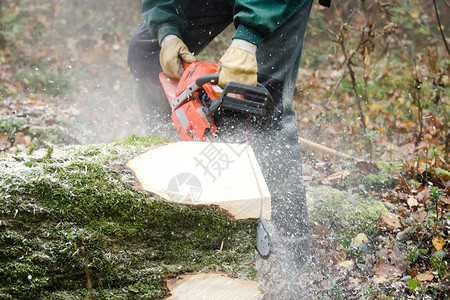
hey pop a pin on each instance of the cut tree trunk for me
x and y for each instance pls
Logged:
(197, 173)
(216, 286)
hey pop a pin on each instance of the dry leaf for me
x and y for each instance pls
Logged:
(4, 143)
(23, 139)
(397, 258)
(389, 222)
(379, 279)
(438, 242)
(361, 238)
(346, 264)
(339, 257)
(387, 270)
(391, 263)
(412, 202)
(402, 184)
(425, 277)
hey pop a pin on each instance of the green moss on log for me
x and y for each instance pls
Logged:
(55, 203)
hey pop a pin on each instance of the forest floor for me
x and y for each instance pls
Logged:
(83, 94)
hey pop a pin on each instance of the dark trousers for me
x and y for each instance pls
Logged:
(276, 147)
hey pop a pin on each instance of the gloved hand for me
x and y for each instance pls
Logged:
(239, 64)
(173, 50)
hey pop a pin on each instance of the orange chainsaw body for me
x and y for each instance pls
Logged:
(189, 119)
(196, 99)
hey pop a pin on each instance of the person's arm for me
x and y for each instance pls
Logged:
(256, 20)
(165, 17)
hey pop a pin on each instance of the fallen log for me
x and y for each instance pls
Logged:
(76, 210)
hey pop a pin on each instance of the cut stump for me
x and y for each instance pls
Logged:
(202, 173)
(213, 286)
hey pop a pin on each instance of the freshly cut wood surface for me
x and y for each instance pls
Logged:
(200, 173)
(212, 286)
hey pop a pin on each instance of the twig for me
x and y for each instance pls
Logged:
(440, 27)
(86, 270)
(447, 141)
(355, 90)
(324, 149)
(416, 97)
(348, 63)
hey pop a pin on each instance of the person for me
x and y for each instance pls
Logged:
(266, 48)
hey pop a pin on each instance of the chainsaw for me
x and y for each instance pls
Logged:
(196, 99)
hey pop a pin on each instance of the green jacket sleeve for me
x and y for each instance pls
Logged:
(256, 20)
(164, 17)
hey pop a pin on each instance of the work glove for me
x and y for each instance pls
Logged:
(173, 51)
(239, 64)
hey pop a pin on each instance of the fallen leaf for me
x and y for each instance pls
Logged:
(412, 202)
(438, 242)
(339, 257)
(361, 238)
(397, 258)
(4, 143)
(379, 279)
(425, 277)
(346, 264)
(389, 222)
(390, 264)
(402, 184)
(23, 139)
(387, 270)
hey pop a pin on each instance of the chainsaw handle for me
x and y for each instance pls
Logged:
(208, 78)
(199, 82)
(213, 78)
